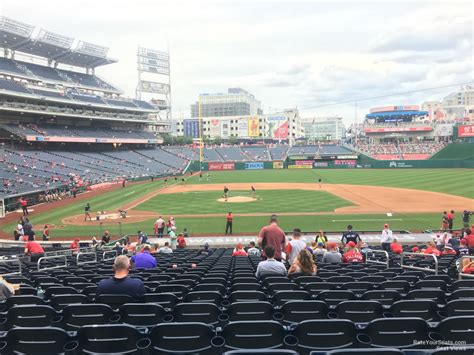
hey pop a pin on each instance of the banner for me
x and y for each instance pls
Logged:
(253, 127)
(345, 162)
(154, 87)
(277, 165)
(89, 140)
(225, 129)
(277, 127)
(394, 108)
(304, 162)
(191, 128)
(254, 166)
(221, 166)
(242, 128)
(298, 157)
(466, 131)
(214, 128)
(300, 166)
(397, 129)
(321, 164)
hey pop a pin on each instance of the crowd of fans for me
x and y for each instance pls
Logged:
(399, 150)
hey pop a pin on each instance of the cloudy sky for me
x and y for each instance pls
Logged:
(304, 54)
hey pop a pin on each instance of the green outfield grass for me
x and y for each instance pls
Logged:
(451, 181)
(267, 201)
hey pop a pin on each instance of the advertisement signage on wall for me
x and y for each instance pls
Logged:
(242, 128)
(398, 129)
(88, 140)
(225, 129)
(214, 128)
(253, 127)
(466, 131)
(321, 164)
(277, 127)
(254, 166)
(300, 166)
(298, 157)
(221, 166)
(304, 162)
(191, 128)
(277, 165)
(345, 162)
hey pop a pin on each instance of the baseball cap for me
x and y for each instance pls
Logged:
(351, 244)
(239, 246)
(331, 245)
(385, 225)
(415, 249)
(448, 246)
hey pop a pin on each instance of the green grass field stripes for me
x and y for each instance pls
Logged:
(267, 201)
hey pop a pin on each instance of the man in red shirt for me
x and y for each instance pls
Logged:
(24, 206)
(396, 247)
(352, 255)
(274, 236)
(239, 251)
(34, 250)
(228, 226)
(75, 245)
(181, 241)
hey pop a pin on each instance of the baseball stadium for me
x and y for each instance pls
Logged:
(125, 230)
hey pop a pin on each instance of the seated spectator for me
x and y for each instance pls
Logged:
(454, 241)
(293, 247)
(352, 254)
(415, 250)
(34, 250)
(463, 249)
(181, 241)
(205, 250)
(448, 250)
(333, 256)
(239, 251)
(121, 283)
(253, 250)
(144, 260)
(118, 248)
(468, 266)
(431, 249)
(320, 250)
(303, 264)
(75, 245)
(165, 249)
(7, 289)
(396, 247)
(364, 248)
(105, 238)
(270, 266)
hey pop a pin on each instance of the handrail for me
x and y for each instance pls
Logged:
(9, 261)
(86, 261)
(104, 258)
(67, 252)
(461, 274)
(52, 257)
(384, 252)
(435, 270)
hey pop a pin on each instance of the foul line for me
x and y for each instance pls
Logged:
(366, 220)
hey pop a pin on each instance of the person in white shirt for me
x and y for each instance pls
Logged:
(253, 250)
(271, 266)
(294, 247)
(387, 238)
(165, 249)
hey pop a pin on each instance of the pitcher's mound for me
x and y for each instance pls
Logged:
(237, 199)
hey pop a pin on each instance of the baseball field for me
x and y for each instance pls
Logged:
(408, 199)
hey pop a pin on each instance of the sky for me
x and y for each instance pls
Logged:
(313, 55)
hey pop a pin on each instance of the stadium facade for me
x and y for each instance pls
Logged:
(323, 129)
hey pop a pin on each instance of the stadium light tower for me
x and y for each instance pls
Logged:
(201, 143)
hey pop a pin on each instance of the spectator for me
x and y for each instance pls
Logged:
(253, 250)
(165, 249)
(173, 238)
(352, 254)
(159, 227)
(321, 238)
(28, 228)
(239, 251)
(293, 247)
(228, 226)
(465, 218)
(396, 247)
(205, 250)
(333, 256)
(431, 249)
(448, 250)
(386, 238)
(444, 221)
(24, 206)
(106, 238)
(75, 245)
(19, 228)
(181, 241)
(450, 221)
(415, 250)
(468, 266)
(118, 248)
(144, 260)
(185, 233)
(463, 249)
(34, 250)
(142, 238)
(121, 283)
(94, 241)
(364, 248)
(6, 289)
(319, 251)
(272, 235)
(350, 236)
(45, 233)
(270, 266)
(303, 264)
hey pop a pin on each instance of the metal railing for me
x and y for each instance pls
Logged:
(64, 257)
(12, 261)
(461, 274)
(78, 256)
(109, 252)
(426, 269)
(367, 260)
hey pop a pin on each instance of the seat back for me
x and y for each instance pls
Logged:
(253, 335)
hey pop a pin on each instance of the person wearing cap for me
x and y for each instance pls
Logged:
(350, 236)
(431, 249)
(142, 238)
(205, 250)
(396, 247)
(333, 256)
(352, 254)
(386, 238)
(448, 250)
(228, 226)
(144, 260)
(272, 235)
(75, 245)
(463, 249)
(294, 246)
(239, 250)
